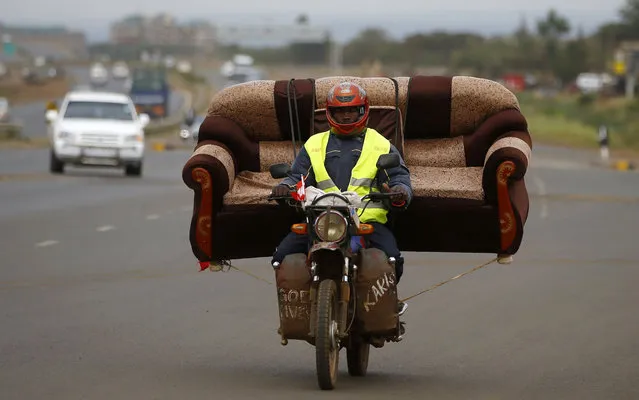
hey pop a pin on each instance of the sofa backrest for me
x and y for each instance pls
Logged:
(443, 121)
(453, 121)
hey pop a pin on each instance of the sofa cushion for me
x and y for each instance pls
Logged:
(250, 188)
(428, 182)
(447, 153)
(450, 183)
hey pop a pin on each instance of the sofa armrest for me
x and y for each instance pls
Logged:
(209, 172)
(505, 165)
(508, 148)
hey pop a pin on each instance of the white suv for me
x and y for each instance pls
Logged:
(99, 129)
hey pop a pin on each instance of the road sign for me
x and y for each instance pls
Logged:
(8, 47)
(619, 67)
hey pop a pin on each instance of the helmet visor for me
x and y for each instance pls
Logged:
(347, 115)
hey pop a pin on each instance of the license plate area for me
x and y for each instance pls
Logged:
(99, 152)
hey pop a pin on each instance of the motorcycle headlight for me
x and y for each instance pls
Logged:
(330, 226)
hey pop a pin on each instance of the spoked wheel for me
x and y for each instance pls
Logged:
(357, 357)
(326, 340)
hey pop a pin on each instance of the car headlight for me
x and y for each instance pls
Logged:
(185, 134)
(65, 135)
(330, 226)
(134, 138)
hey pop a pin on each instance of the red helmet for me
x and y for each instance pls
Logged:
(347, 94)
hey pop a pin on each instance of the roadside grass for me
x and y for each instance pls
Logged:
(574, 120)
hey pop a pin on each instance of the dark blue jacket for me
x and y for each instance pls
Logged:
(341, 156)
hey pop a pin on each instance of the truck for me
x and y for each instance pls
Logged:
(150, 91)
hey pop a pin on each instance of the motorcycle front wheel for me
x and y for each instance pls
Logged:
(326, 335)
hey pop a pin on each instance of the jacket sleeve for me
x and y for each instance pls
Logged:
(301, 166)
(397, 176)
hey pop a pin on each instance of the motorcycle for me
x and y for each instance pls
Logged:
(340, 294)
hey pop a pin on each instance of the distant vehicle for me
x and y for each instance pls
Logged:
(5, 111)
(184, 67)
(120, 70)
(97, 129)
(589, 82)
(41, 70)
(98, 75)
(240, 69)
(514, 82)
(244, 74)
(149, 89)
(192, 131)
(243, 60)
(169, 61)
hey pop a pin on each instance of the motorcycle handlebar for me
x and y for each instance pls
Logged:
(375, 196)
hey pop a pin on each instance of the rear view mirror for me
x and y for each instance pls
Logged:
(279, 171)
(387, 161)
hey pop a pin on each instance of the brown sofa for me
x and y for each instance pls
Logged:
(464, 140)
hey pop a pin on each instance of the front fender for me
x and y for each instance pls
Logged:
(329, 259)
(330, 246)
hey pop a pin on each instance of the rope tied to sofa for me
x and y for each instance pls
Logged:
(225, 266)
(470, 271)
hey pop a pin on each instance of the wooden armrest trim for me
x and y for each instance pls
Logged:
(507, 223)
(205, 210)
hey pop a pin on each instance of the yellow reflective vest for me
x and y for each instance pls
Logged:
(362, 174)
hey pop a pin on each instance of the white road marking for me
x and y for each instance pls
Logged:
(105, 228)
(543, 213)
(152, 216)
(47, 243)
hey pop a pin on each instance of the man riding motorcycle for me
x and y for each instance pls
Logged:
(336, 158)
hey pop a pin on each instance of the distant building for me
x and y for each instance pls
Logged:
(272, 35)
(56, 43)
(163, 30)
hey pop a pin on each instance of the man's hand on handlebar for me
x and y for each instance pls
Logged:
(281, 190)
(398, 194)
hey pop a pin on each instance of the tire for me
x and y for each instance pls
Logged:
(55, 165)
(326, 346)
(133, 169)
(357, 357)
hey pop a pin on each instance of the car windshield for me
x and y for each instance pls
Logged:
(99, 110)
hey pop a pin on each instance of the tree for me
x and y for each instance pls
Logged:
(629, 13)
(369, 45)
(302, 19)
(552, 29)
(574, 59)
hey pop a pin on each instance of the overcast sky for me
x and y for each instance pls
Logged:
(344, 18)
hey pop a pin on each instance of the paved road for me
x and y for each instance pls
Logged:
(32, 115)
(101, 299)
